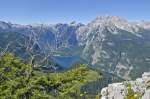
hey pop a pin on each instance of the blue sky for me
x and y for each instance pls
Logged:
(65, 11)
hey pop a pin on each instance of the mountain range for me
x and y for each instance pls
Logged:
(108, 43)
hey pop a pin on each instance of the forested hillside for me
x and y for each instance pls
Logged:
(23, 81)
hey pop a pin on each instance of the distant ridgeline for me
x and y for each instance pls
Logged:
(108, 43)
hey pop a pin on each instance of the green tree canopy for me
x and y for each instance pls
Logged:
(21, 81)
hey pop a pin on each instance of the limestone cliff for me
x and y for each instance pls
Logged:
(138, 89)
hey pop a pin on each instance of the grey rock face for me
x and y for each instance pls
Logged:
(115, 45)
(119, 90)
(113, 91)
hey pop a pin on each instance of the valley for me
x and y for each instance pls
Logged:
(75, 61)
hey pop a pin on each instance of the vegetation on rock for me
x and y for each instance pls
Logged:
(131, 94)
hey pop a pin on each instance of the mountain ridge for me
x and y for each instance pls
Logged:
(109, 43)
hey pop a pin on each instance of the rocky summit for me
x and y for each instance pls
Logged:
(138, 89)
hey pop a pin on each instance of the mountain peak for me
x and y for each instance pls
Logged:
(110, 18)
(114, 21)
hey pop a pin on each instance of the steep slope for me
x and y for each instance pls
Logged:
(116, 45)
(10, 41)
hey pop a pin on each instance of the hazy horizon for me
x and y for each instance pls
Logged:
(65, 11)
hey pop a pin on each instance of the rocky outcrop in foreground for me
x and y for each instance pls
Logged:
(138, 89)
